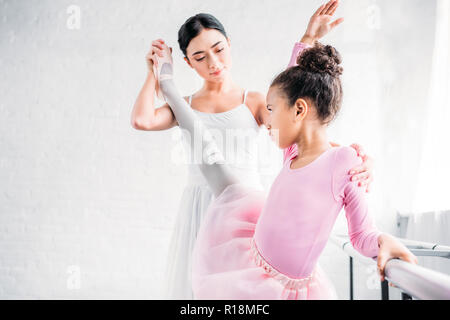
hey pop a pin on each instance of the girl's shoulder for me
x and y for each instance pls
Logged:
(345, 159)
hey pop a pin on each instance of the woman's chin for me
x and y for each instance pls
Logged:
(220, 77)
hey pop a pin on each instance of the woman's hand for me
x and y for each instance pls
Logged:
(391, 248)
(364, 172)
(157, 48)
(319, 24)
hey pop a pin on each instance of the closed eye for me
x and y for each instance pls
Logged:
(204, 57)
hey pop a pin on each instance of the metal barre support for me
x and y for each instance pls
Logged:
(351, 278)
(414, 280)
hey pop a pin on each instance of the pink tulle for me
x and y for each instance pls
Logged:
(226, 262)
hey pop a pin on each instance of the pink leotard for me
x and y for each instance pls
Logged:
(303, 204)
(302, 207)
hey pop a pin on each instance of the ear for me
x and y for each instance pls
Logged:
(301, 109)
(188, 62)
(229, 42)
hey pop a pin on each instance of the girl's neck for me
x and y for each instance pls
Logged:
(312, 142)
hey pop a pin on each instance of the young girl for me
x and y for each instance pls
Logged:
(221, 104)
(255, 247)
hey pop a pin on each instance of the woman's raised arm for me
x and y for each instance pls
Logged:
(144, 115)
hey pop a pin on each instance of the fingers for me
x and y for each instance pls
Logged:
(368, 183)
(157, 51)
(363, 178)
(327, 6)
(409, 257)
(332, 8)
(318, 11)
(360, 176)
(356, 146)
(149, 56)
(336, 22)
(334, 144)
(335, 6)
(359, 169)
(381, 263)
(158, 46)
(365, 182)
(392, 285)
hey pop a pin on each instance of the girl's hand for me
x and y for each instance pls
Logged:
(319, 24)
(391, 248)
(364, 172)
(157, 48)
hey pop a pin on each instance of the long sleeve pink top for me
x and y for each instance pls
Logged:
(302, 207)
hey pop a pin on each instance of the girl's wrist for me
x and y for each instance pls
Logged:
(308, 39)
(381, 239)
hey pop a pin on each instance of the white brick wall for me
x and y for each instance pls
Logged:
(80, 190)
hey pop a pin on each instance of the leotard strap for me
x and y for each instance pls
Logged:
(245, 96)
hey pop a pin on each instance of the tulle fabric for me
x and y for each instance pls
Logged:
(193, 207)
(226, 263)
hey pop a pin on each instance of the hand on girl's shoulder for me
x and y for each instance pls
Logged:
(346, 159)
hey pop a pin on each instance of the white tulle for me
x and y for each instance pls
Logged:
(197, 196)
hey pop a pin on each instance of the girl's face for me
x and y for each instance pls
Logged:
(209, 54)
(284, 122)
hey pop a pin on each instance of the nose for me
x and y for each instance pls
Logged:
(213, 63)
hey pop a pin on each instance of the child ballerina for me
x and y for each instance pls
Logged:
(255, 247)
(218, 93)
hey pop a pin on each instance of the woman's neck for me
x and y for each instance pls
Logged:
(224, 86)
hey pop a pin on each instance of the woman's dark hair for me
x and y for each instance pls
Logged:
(194, 25)
(317, 77)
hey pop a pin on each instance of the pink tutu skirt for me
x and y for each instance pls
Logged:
(227, 264)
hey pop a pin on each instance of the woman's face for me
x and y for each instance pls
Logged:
(209, 54)
(283, 122)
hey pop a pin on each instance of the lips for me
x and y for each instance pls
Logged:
(216, 73)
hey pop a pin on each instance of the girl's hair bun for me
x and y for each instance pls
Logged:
(321, 59)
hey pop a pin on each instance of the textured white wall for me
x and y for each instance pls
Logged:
(87, 203)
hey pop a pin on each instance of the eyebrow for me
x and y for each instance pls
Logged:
(204, 51)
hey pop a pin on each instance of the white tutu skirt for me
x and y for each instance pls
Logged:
(226, 263)
(192, 209)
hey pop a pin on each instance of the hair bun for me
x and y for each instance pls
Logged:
(321, 59)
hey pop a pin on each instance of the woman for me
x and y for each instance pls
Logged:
(221, 104)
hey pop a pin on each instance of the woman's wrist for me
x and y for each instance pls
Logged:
(150, 77)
